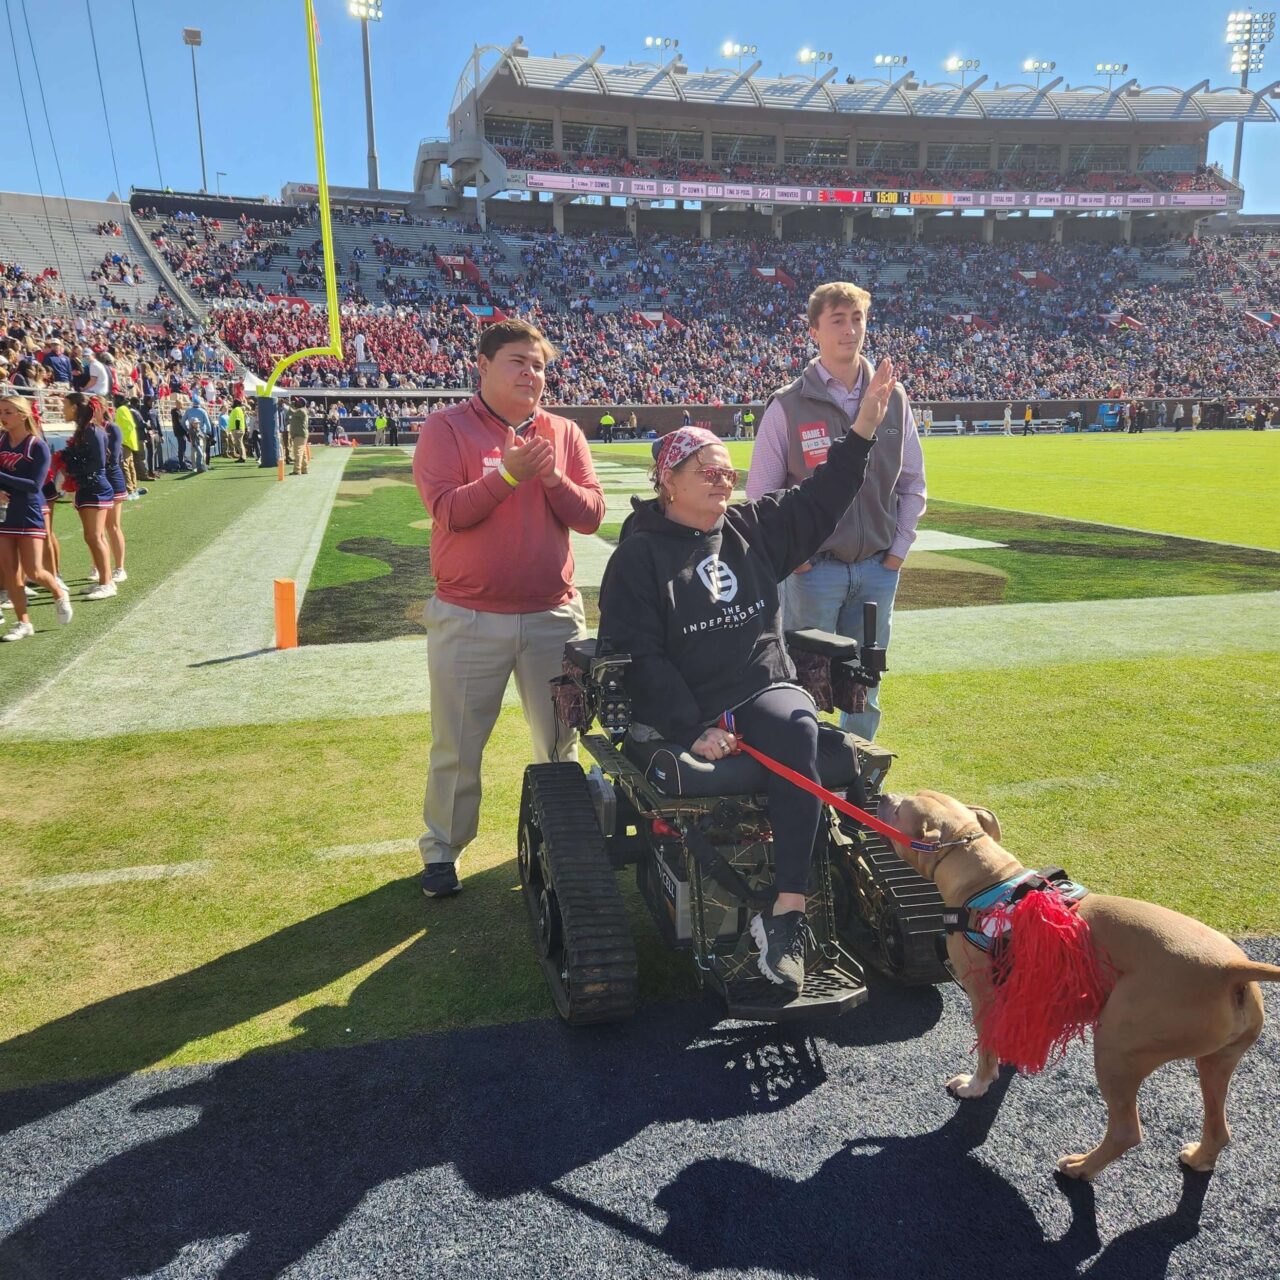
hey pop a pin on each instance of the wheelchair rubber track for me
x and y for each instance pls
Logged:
(912, 901)
(598, 947)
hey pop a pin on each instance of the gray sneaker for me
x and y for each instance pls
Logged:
(781, 943)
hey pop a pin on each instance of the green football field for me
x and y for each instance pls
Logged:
(217, 854)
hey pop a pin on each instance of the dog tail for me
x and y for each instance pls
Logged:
(1253, 971)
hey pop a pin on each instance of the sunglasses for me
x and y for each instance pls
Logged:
(712, 475)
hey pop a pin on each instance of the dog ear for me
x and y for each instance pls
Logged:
(986, 820)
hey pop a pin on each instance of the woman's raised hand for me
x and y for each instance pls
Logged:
(875, 400)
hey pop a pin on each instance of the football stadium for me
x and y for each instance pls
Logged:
(554, 705)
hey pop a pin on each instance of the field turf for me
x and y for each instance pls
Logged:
(1150, 777)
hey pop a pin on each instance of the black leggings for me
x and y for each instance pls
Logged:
(783, 724)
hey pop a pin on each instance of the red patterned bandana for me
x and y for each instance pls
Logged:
(679, 445)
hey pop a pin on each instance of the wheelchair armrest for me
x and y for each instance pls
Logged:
(580, 654)
(827, 643)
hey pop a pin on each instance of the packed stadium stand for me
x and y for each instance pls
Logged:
(665, 226)
(666, 320)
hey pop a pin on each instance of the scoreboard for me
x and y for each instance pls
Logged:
(867, 197)
(847, 195)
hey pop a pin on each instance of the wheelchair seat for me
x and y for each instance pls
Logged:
(672, 771)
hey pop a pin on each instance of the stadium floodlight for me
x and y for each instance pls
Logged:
(962, 65)
(194, 38)
(1111, 70)
(734, 49)
(1248, 34)
(661, 42)
(1038, 67)
(368, 11)
(811, 58)
(890, 59)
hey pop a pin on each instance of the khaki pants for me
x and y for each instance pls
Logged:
(301, 455)
(130, 474)
(237, 444)
(470, 658)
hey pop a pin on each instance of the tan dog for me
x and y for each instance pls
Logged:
(1182, 990)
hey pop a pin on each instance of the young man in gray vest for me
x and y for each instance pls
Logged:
(862, 559)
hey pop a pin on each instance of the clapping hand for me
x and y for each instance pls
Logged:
(875, 400)
(525, 459)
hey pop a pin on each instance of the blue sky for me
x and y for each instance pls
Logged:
(253, 75)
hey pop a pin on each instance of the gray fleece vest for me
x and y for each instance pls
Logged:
(814, 422)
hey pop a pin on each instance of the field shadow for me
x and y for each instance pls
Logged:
(382, 608)
(1047, 559)
(137, 1029)
(285, 1146)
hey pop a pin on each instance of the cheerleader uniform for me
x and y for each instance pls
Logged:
(93, 489)
(23, 470)
(115, 461)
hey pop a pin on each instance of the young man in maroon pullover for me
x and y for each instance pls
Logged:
(505, 482)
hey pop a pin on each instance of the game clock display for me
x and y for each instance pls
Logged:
(842, 195)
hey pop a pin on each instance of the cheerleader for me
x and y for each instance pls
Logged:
(119, 489)
(24, 467)
(86, 461)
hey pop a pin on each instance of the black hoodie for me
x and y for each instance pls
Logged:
(699, 612)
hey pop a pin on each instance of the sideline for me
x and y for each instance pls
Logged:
(144, 671)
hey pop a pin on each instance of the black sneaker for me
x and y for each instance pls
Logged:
(440, 880)
(781, 940)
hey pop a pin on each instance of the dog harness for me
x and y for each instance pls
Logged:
(979, 920)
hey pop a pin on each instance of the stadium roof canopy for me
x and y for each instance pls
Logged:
(635, 85)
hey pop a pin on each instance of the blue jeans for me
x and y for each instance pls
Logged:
(830, 597)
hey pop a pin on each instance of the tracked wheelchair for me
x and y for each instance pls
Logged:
(697, 833)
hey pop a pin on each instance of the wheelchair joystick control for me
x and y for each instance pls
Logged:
(872, 657)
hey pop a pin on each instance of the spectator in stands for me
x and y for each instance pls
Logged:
(58, 362)
(504, 482)
(97, 382)
(862, 559)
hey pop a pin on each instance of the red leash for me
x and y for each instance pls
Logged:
(829, 797)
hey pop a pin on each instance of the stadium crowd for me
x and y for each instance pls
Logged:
(959, 317)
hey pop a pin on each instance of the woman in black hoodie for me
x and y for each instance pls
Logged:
(692, 595)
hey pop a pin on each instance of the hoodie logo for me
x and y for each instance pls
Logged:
(719, 579)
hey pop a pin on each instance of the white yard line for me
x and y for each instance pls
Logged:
(378, 849)
(121, 875)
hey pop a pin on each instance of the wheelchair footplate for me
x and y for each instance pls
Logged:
(829, 989)
(727, 959)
